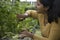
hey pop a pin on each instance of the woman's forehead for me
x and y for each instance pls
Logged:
(38, 0)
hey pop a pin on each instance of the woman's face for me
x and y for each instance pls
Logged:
(40, 7)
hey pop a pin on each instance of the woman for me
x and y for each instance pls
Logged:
(41, 15)
(53, 21)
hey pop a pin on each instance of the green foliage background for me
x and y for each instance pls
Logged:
(9, 24)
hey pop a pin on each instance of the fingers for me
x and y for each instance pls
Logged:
(24, 32)
(20, 17)
(22, 36)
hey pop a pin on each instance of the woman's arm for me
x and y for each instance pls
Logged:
(35, 37)
(28, 13)
(31, 13)
(44, 28)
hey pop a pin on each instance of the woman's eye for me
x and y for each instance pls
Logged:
(38, 4)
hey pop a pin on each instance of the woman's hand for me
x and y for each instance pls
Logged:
(22, 16)
(25, 33)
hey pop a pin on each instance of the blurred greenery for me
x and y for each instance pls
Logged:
(9, 24)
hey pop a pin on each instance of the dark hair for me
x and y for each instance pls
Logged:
(52, 14)
(44, 2)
